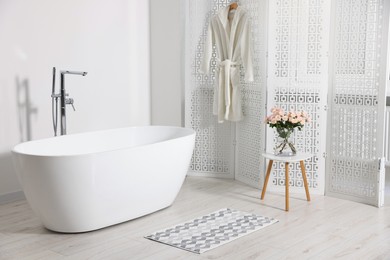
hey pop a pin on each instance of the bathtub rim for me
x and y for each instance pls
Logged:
(191, 132)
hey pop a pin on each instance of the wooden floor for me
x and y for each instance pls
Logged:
(325, 228)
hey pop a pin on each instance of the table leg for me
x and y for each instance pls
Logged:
(305, 180)
(266, 178)
(287, 186)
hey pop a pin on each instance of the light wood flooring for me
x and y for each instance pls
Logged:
(325, 228)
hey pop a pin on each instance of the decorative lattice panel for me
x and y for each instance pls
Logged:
(226, 149)
(251, 130)
(214, 151)
(353, 154)
(297, 80)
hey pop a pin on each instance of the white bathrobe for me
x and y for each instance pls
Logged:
(232, 38)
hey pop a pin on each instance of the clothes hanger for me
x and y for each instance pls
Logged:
(233, 6)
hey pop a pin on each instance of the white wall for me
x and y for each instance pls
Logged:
(166, 46)
(388, 64)
(108, 39)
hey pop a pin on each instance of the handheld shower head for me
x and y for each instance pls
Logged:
(53, 87)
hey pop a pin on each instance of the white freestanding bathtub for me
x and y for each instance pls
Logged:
(83, 182)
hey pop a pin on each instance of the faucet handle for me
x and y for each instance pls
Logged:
(70, 101)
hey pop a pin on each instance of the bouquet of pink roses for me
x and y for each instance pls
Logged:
(285, 122)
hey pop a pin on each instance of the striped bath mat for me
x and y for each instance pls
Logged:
(210, 231)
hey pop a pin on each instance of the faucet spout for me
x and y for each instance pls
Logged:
(82, 73)
(63, 100)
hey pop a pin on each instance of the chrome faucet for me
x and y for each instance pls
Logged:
(63, 100)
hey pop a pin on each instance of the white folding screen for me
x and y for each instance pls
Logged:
(291, 55)
(227, 149)
(298, 41)
(357, 100)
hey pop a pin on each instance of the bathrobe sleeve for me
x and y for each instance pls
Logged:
(208, 50)
(247, 51)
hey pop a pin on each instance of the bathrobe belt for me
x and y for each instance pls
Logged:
(227, 64)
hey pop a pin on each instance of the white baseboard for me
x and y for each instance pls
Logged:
(10, 197)
(211, 175)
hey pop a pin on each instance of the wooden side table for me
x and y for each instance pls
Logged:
(299, 157)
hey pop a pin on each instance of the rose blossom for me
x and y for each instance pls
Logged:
(292, 114)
